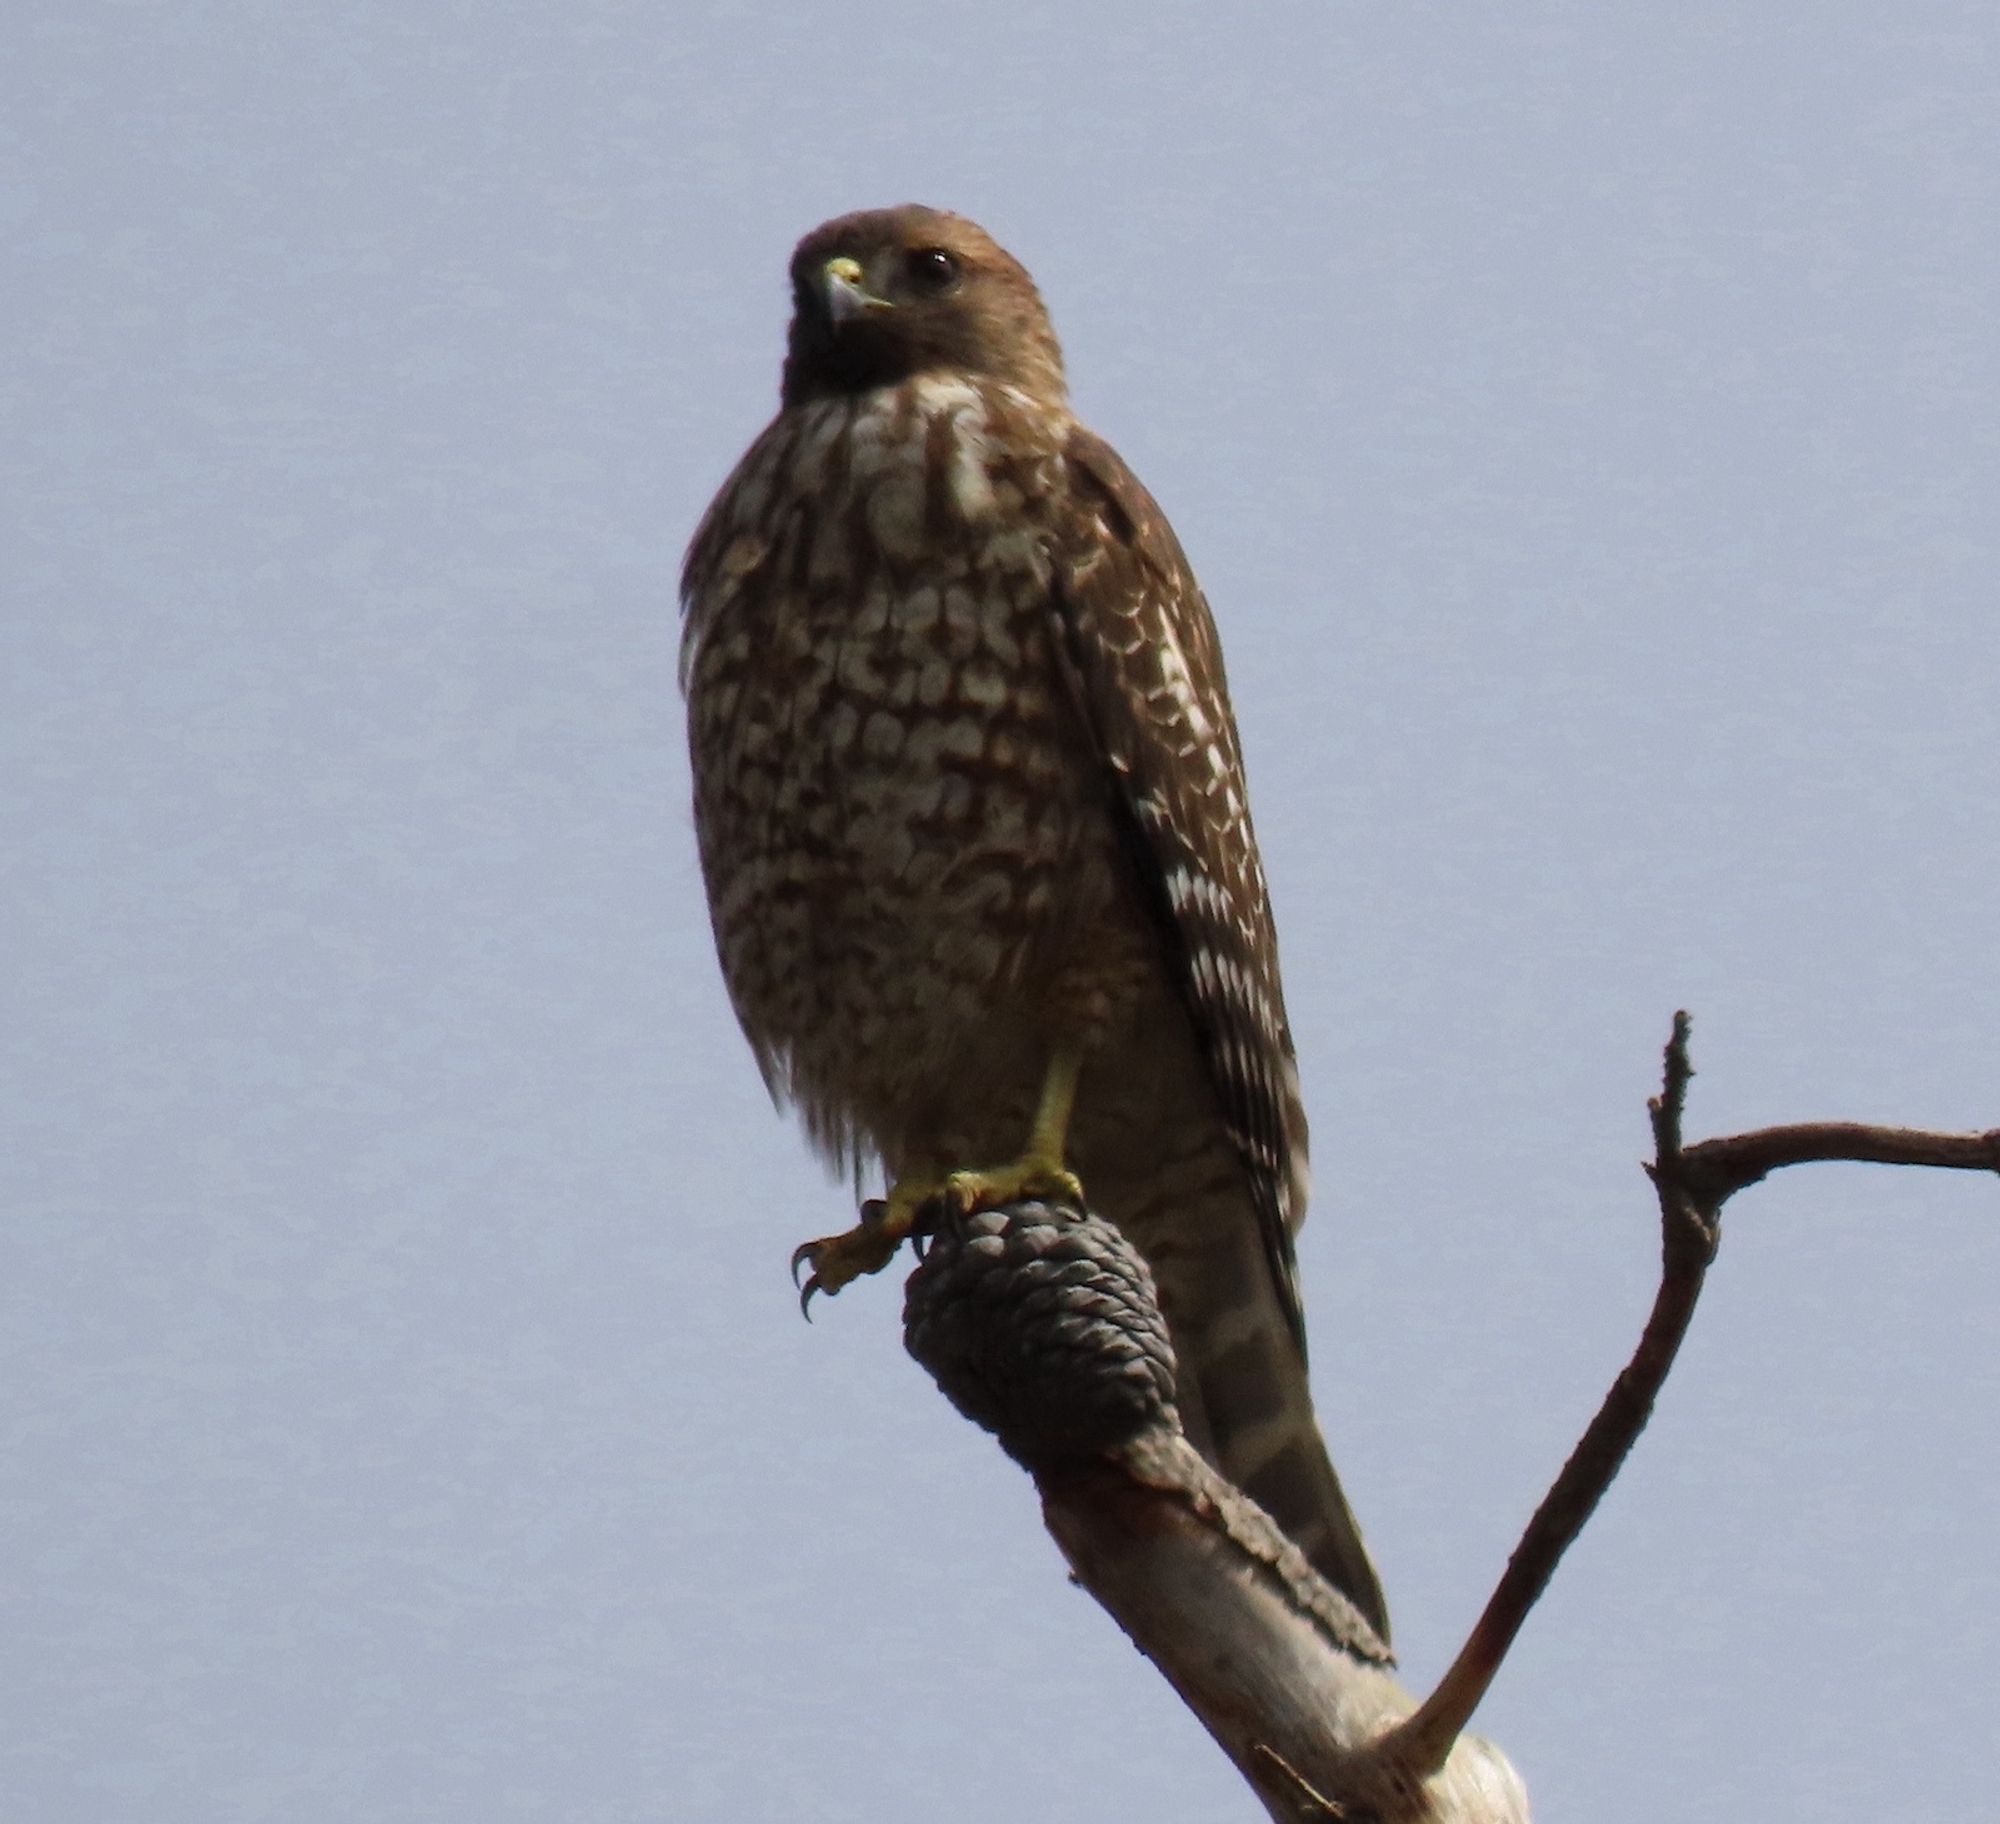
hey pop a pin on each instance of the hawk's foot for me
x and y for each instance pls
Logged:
(1045, 1179)
(1039, 1172)
(868, 1247)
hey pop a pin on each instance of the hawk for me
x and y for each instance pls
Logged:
(974, 826)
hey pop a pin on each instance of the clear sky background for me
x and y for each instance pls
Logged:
(1583, 419)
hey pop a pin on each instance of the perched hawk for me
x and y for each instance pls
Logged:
(973, 820)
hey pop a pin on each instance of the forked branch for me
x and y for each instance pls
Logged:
(1040, 1324)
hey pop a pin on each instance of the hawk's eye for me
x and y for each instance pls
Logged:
(931, 270)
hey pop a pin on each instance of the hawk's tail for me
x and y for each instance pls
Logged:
(1247, 1408)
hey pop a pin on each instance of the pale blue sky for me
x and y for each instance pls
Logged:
(1584, 423)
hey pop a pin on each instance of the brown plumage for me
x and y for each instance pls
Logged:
(969, 794)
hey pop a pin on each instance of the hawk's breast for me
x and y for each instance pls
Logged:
(900, 818)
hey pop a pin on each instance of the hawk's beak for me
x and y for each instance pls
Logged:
(846, 297)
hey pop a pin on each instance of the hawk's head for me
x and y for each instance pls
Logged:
(887, 294)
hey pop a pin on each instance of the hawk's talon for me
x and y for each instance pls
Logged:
(868, 1247)
(907, 1214)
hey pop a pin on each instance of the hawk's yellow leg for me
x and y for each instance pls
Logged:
(1039, 1172)
(868, 1247)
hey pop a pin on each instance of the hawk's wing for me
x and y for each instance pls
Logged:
(1142, 651)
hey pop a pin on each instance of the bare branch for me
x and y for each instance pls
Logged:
(1721, 1168)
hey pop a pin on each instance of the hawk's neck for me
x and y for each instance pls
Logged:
(937, 449)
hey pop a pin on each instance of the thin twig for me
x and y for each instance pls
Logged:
(1689, 1245)
(1693, 1183)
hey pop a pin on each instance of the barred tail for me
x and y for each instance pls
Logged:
(1248, 1408)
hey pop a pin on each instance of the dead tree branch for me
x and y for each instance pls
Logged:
(1040, 1324)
